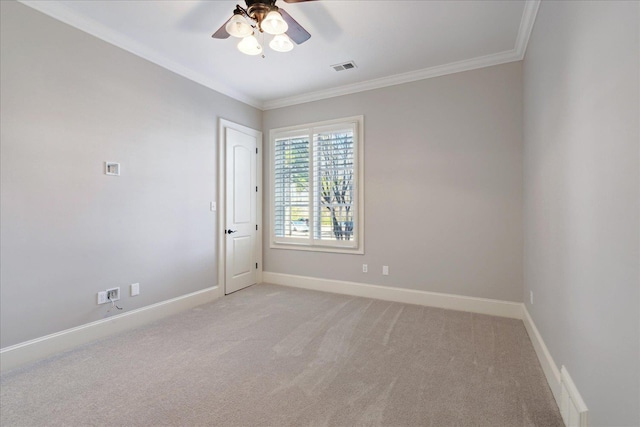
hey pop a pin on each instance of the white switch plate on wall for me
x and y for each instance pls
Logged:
(135, 289)
(102, 297)
(112, 168)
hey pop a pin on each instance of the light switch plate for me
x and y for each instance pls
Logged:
(135, 289)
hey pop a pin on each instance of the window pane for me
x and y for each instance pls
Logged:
(291, 196)
(316, 189)
(333, 173)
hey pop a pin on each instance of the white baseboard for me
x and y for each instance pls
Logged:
(573, 409)
(40, 348)
(549, 367)
(561, 386)
(409, 296)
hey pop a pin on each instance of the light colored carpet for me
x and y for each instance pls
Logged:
(277, 356)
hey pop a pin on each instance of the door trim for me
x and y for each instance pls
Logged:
(221, 210)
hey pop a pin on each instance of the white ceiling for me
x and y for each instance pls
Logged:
(391, 42)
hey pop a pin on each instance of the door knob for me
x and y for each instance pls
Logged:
(230, 231)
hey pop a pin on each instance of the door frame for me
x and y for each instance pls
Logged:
(223, 125)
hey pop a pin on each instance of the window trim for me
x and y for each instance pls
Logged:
(313, 245)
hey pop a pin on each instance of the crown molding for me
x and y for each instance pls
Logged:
(412, 76)
(526, 26)
(64, 14)
(513, 55)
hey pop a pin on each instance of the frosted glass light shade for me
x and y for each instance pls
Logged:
(238, 26)
(281, 43)
(250, 46)
(274, 24)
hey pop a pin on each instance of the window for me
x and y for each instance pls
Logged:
(316, 186)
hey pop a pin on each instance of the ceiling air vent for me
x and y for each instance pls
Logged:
(346, 66)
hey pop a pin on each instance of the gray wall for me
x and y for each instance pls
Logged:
(70, 102)
(443, 196)
(581, 198)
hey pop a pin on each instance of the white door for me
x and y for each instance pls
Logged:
(240, 233)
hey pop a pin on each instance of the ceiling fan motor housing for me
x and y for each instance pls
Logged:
(258, 9)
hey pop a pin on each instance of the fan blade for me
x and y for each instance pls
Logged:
(222, 31)
(296, 1)
(295, 31)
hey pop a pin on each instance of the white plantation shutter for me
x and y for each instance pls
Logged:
(333, 180)
(317, 190)
(291, 184)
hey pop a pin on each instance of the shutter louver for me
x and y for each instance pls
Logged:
(316, 188)
(291, 196)
(333, 173)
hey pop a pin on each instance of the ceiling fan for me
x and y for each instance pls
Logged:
(265, 17)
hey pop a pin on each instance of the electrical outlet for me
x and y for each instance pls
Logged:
(531, 297)
(102, 297)
(385, 270)
(113, 294)
(365, 268)
(135, 289)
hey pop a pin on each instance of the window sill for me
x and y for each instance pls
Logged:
(313, 248)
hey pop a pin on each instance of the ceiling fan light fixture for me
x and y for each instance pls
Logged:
(281, 43)
(274, 24)
(238, 26)
(250, 46)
